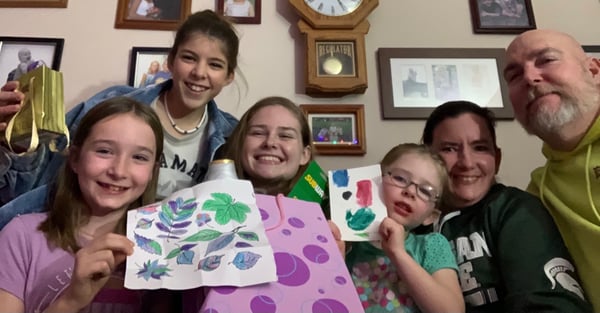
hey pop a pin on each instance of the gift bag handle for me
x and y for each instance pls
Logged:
(35, 140)
(279, 203)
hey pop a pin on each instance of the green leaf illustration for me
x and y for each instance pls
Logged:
(204, 235)
(226, 208)
(248, 235)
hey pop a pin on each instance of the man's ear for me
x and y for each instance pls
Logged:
(594, 68)
(432, 218)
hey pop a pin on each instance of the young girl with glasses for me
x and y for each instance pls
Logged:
(406, 272)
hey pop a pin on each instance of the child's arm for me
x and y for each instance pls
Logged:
(93, 267)
(438, 292)
(10, 303)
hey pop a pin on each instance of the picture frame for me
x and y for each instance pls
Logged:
(413, 81)
(21, 54)
(593, 51)
(148, 66)
(237, 14)
(501, 16)
(33, 3)
(337, 129)
(162, 15)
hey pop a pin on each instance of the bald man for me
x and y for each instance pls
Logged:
(555, 92)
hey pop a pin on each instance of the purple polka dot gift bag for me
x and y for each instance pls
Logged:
(311, 273)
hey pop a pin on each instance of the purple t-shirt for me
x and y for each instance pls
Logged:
(38, 273)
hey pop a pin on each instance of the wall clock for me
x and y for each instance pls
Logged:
(335, 45)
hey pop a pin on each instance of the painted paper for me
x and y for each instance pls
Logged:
(210, 234)
(356, 201)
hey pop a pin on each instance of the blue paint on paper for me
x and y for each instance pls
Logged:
(340, 178)
(361, 219)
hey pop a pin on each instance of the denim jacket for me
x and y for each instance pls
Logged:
(24, 178)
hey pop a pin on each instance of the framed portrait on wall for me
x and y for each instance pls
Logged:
(240, 11)
(148, 66)
(151, 14)
(19, 55)
(501, 16)
(33, 3)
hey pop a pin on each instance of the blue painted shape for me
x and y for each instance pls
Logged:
(340, 178)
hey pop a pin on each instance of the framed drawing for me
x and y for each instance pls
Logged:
(337, 129)
(413, 81)
(148, 66)
(593, 51)
(19, 55)
(240, 11)
(151, 14)
(501, 16)
(33, 3)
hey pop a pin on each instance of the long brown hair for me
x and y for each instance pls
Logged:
(67, 210)
(235, 142)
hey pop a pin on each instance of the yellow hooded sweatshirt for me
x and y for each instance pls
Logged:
(569, 186)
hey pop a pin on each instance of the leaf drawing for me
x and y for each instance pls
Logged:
(202, 219)
(174, 214)
(248, 235)
(203, 235)
(210, 263)
(245, 260)
(144, 223)
(148, 244)
(152, 269)
(147, 210)
(219, 243)
(175, 252)
(186, 257)
(242, 244)
(226, 208)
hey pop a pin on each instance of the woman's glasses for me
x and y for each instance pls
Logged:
(402, 179)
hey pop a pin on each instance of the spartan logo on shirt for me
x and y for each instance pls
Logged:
(559, 270)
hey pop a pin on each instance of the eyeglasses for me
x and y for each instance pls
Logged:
(402, 179)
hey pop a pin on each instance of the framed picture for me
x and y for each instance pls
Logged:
(240, 11)
(18, 55)
(337, 129)
(151, 14)
(413, 81)
(148, 66)
(593, 51)
(33, 3)
(501, 16)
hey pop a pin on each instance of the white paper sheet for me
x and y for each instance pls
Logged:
(356, 202)
(208, 235)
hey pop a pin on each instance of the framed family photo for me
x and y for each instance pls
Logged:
(593, 51)
(337, 129)
(414, 81)
(501, 16)
(148, 66)
(18, 55)
(240, 11)
(33, 3)
(151, 14)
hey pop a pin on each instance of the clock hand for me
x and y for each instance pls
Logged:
(344, 9)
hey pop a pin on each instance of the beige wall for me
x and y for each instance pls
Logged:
(96, 55)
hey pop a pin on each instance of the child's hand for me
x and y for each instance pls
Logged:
(93, 267)
(392, 236)
(337, 235)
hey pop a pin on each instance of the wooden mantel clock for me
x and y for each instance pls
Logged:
(335, 36)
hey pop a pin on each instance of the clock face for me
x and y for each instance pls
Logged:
(334, 7)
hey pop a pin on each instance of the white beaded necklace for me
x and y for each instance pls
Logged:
(179, 130)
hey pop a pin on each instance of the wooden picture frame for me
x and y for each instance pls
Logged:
(593, 51)
(163, 15)
(413, 81)
(337, 129)
(33, 3)
(239, 17)
(148, 66)
(501, 16)
(21, 54)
